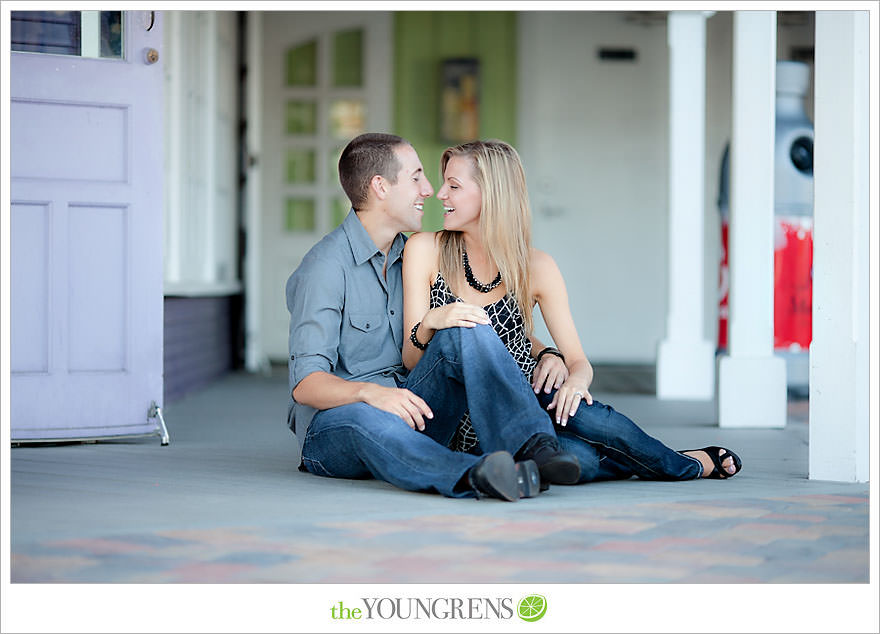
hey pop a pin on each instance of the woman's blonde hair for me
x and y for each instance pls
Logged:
(505, 219)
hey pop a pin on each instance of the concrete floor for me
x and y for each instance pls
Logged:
(225, 503)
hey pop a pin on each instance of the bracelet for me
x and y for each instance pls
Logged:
(550, 350)
(412, 337)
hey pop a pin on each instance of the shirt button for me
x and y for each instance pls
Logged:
(392, 312)
(368, 325)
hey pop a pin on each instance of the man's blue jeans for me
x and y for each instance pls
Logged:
(610, 446)
(462, 369)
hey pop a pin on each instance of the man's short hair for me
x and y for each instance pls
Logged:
(364, 157)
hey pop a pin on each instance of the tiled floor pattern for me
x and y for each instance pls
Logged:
(796, 539)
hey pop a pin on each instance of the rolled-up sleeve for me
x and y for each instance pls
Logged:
(315, 297)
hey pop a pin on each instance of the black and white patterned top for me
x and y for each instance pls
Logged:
(507, 321)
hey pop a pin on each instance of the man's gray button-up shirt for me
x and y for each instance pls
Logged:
(346, 318)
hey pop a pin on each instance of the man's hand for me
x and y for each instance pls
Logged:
(549, 373)
(411, 408)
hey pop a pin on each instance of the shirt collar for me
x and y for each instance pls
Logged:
(362, 246)
(396, 251)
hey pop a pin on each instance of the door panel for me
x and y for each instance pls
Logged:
(96, 278)
(86, 237)
(62, 131)
(29, 303)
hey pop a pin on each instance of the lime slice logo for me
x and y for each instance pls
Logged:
(532, 608)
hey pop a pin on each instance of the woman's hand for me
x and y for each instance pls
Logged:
(568, 399)
(549, 373)
(457, 314)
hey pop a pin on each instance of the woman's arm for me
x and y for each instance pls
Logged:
(420, 262)
(550, 372)
(551, 295)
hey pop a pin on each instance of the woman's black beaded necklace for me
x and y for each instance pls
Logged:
(472, 281)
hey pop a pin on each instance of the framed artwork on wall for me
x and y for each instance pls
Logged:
(460, 100)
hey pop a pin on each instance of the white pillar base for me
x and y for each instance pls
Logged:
(686, 370)
(752, 392)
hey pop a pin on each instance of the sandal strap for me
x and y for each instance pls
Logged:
(718, 455)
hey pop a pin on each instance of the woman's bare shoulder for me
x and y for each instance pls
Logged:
(545, 276)
(422, 251)
(423, 241)
(421, 244)
(542, 263)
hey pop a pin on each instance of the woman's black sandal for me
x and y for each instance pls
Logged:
(719, 472)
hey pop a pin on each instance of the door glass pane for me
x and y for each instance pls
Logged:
(78, 33)
(347, 117)
(110, 33)
(300, 214)
(302, 65)
(302, 117)
(300, 165)
(347, 58)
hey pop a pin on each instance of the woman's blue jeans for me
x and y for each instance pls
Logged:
(610, 446)
(462, 369)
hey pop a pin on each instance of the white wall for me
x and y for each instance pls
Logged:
(201, 82)
(593, 136)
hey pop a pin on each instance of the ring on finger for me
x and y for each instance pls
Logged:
(581, 394)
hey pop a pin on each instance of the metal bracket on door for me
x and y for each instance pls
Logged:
(156, 412)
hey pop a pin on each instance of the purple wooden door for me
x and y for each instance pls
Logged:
(86, 233)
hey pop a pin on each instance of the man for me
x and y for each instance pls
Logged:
(354, 410)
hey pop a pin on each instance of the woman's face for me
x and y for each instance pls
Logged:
(460, 195)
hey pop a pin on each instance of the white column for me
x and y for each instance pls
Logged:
(752, 386)
(254, 358)
(839, 356)
(686, 359)
(210, 110)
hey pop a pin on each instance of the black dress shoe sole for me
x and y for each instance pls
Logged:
(561, 470)
(528, 478)
(496, 476)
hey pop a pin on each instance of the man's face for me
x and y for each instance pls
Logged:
(406, 199)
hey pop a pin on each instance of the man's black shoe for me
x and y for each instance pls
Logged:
(556, 466)
(497, 476)
(528, 479)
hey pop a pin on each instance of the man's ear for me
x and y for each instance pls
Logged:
(379, 186)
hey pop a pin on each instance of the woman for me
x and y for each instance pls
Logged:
(487, 236)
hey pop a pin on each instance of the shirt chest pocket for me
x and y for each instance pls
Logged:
(365, 340)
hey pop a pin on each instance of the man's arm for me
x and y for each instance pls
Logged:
(322, 390)
(315, 296)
